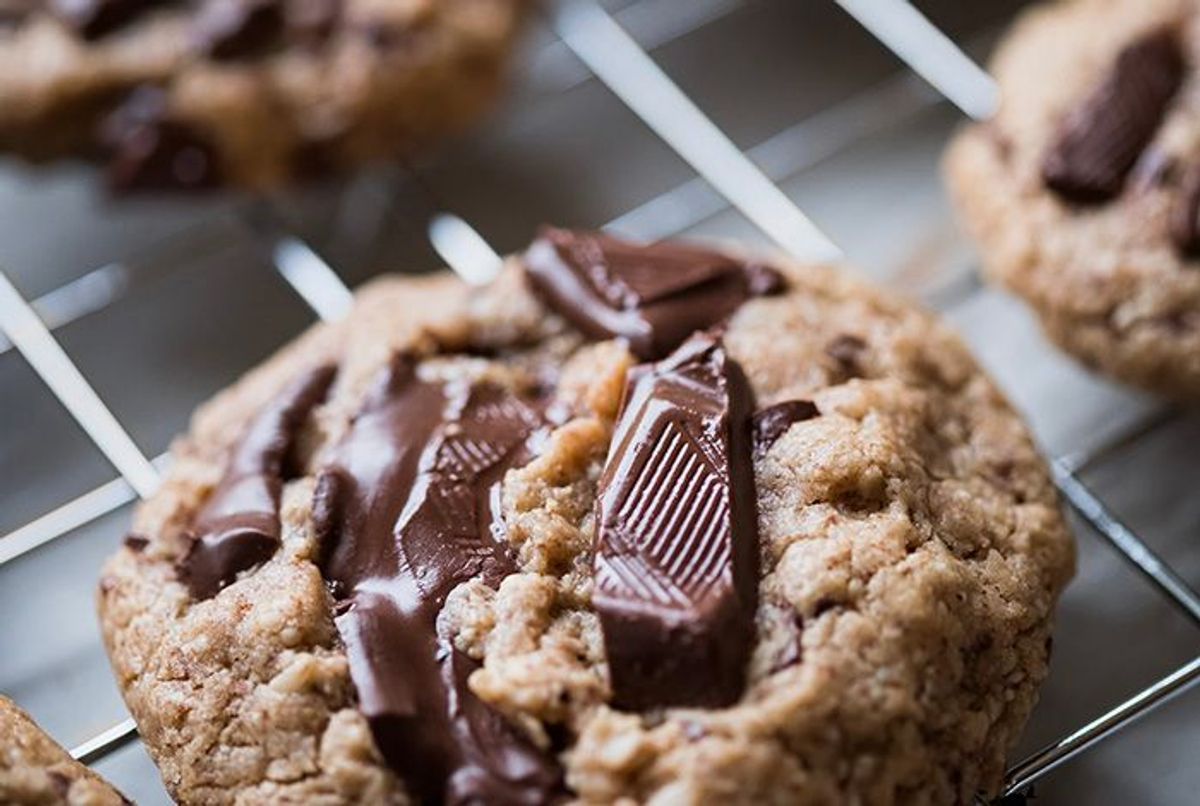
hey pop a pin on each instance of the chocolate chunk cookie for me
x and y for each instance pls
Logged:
(1084, 190)
(628, 523)
(34, 770)
(194, 94)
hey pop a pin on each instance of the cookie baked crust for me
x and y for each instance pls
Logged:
(1105, 280)
(912, 551)
(303, 110)
(35, 770)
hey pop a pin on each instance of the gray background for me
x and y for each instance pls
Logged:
(825, 109)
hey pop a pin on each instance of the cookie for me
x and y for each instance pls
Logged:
(1084, 190)
(35, 770)
(248, 93)
(654, 523)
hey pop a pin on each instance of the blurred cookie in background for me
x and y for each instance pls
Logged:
(249, 93)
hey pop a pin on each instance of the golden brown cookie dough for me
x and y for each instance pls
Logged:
(249, 93)
(34, 771)
(1115, 278)
(910, 545)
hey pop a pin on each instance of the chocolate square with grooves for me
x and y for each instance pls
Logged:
(676, 562)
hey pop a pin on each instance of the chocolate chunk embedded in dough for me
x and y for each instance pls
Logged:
(1101, 139)
(677, 549)
(653, 296)
(238, 528)
(771, 423)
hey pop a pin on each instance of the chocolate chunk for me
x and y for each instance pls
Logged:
(405, 512)
(151, 151)
(677, 549)
(92, 19)
(235, 29)
(1100, 140)
(846, 350)
(771, 423)
(1185, 214)
(136, 543)
(238, 527)
(652, 296)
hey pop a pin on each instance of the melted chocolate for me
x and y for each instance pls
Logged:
(652, 296)
(238, 528)
(771, 423)
(677, 548)
(1101, 139)
(405, 512)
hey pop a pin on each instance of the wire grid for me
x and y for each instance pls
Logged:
(619, 62)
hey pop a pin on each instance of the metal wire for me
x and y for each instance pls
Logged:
(934, 56)
(105, 742)
(1123, 539)
(52, 364)
(31, 337)
(929, 53)
(632, 75)
(1041, 763)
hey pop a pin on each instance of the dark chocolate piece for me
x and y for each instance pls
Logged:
(136, 543)
(771, 423)
(235, 29)
(1101, 139)
(846, 350)
(151, 151)
(238, 527)
(1185, 214)
(92, 19)
(677, 547)
(653, 296)
(405, 511)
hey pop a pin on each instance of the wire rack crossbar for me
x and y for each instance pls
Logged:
(587, 30)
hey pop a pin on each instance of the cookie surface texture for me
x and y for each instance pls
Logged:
(593, 533)
(1083, 192)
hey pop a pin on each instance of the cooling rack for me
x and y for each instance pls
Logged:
(726, 177)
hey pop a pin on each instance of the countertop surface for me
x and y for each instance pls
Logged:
(185, 298)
